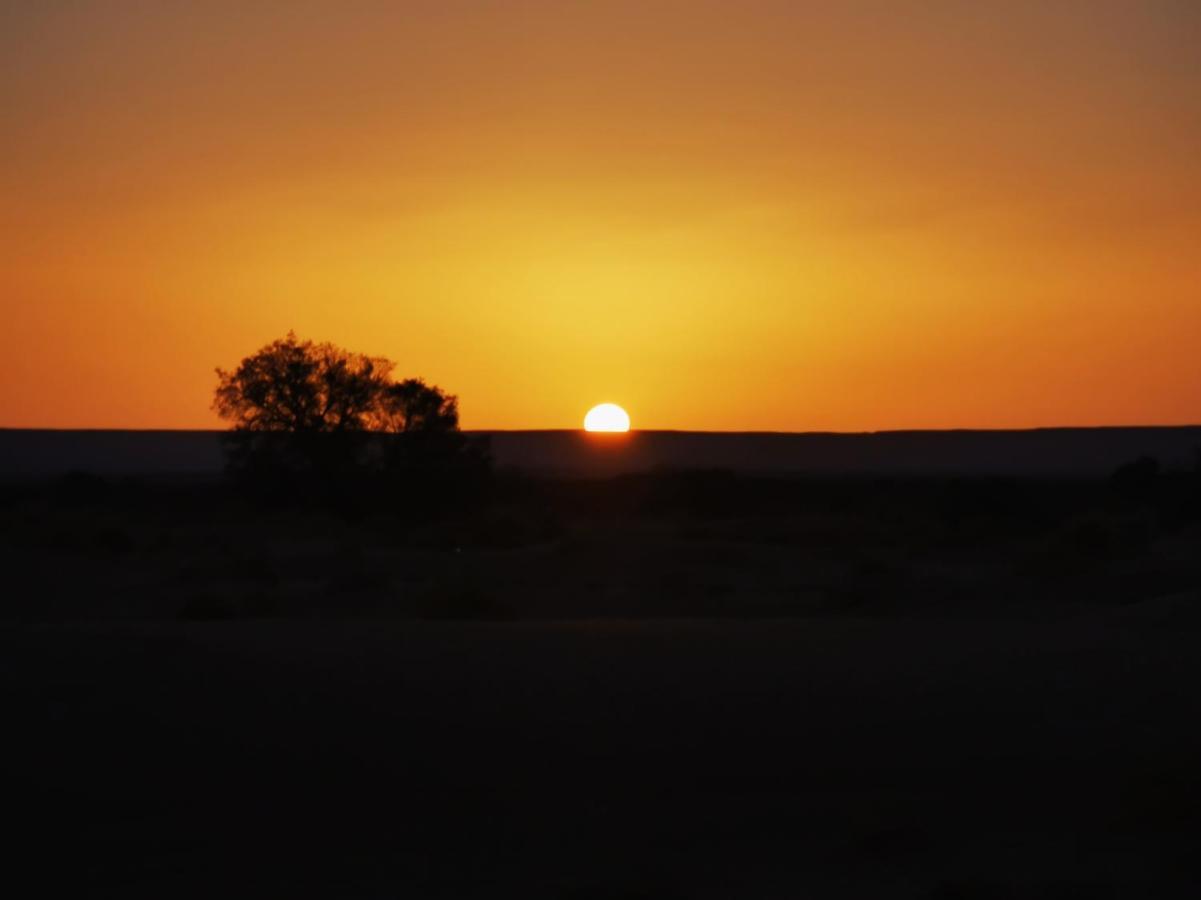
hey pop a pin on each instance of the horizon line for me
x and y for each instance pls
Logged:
(580, 430)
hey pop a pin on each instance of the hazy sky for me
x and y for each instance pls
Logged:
(738, 215)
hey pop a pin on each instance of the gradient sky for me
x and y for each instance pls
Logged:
(738, 215)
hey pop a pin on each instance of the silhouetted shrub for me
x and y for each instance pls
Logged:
(80, 488)
(1138, 476)
(350, 572)
(315, 422)
(112, 540)
(972, 890)
(459, 595)
(1099, 537)
(220, 606)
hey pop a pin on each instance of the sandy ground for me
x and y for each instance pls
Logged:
(817, 758)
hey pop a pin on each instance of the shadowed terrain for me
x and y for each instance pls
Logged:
(679, 684)
(1043, 452)
(818, 758)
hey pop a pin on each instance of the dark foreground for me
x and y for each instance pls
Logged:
(626, 690)
(1041, 452)
(686, 759)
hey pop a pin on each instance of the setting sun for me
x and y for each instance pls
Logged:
(607, 417)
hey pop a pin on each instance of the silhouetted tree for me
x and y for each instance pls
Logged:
(412, 406)
(299, 408)
(301, 387)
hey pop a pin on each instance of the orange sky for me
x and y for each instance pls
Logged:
(752, 215)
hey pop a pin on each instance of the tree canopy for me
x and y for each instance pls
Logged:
(304, 387)
(300, 409)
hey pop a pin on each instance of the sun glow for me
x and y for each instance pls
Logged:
(607, 417)
(707, 229)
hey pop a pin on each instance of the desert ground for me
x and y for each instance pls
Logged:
(822, 758)
(676, 684)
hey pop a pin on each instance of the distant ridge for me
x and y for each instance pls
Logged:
(1057, 452)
